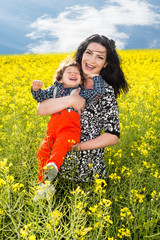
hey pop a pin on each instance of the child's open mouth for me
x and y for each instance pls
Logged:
(73, 79)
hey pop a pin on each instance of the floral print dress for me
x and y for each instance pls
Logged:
(98, 115)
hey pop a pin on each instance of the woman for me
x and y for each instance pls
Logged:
(96, 55)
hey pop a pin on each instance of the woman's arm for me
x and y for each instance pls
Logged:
(54, 105)
(104, 140)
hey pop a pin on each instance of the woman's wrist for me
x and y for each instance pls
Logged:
(70, 100)
(79, 147)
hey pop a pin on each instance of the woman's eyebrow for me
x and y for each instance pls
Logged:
(101, 52)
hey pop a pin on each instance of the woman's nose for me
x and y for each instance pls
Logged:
(92, 59)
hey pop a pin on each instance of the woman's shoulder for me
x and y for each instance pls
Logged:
(108, 88)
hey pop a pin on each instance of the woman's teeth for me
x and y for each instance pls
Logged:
(89, 66)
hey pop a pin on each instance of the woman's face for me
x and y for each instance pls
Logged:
(94, 58)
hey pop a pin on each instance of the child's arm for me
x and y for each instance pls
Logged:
(39, 94)
(96, 92)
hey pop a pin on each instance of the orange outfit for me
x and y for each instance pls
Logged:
(63, 131)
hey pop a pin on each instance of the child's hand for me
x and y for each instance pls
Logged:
(36, 85)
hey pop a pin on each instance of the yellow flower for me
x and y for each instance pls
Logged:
(100, 185)
(83, 231)
(136, 196)
(115, 177)
(2, 182)
(126, 213)
(94, 208)
(106, 202)
(55, 217)
(1, 211)
(23, 232)
(32, 237)
(110, 162)
(78, 190)
(123, 232)
(16, 186)
(90, 165)
(10, 179)
(97, 224)
(3, 163)
(153, 194)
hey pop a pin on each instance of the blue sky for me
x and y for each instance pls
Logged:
(46, 26)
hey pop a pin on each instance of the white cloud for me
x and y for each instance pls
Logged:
(155, 43)
(69, 28)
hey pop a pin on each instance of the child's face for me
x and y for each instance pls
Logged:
(71, 77)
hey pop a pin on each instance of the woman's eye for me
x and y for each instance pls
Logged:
(101, 58)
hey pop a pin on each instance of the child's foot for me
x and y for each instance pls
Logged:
(50, 172)
(45, 191)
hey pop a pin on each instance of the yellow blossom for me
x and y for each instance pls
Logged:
(123, 232)
(126, 213)
(153, 194)
(2, 182)
(32, 237)
(90, 165)
(23, 232)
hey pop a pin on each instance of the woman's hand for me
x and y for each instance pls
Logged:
(77, 102)
(76, 147)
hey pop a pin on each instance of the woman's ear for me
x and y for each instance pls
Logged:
(105, 65)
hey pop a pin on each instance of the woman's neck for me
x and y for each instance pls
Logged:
(88, 83)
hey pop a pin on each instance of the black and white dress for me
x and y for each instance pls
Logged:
(98, 115)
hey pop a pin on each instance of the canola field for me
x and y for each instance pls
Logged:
(125, 207)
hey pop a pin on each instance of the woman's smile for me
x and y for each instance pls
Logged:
(89, 66)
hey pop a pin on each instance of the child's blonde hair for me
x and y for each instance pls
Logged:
(67, 62)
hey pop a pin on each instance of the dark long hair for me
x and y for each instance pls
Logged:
(112, 73)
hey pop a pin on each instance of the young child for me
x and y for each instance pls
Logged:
(63, 129)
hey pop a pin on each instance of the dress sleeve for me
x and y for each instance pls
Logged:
(110, 112)
(42, 95)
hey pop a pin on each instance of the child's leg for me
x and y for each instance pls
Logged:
(43, 155)
(67, 135)
(62, 145)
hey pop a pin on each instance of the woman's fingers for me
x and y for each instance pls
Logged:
(78, 102)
